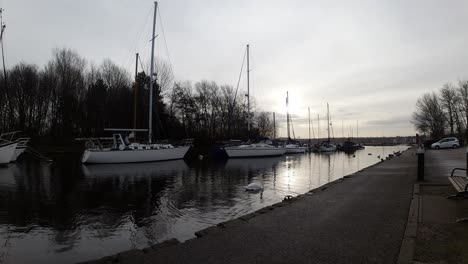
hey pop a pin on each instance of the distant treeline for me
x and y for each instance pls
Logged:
(69, 98)
(443, 113)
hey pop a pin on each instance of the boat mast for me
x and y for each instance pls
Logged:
(357, 130)
(248, 91)
(3, 26)
(150, 118)
(318, 128)
(274, 126)
(308, 108)
(135, 96)
(328, 124)
(342, 129)
(287, 114)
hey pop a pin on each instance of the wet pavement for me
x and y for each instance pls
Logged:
(442, 224)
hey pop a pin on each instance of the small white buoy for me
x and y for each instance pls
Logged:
(254, 187)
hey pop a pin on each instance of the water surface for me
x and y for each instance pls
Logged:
(65, 212)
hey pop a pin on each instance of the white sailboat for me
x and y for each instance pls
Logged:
(7, 151)
(327, 146)
(252, 150)
(291, 147)
(20, 147)
(122, 151)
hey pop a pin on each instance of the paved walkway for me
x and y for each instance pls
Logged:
(360, 219)
(440, 235)
(439, 164)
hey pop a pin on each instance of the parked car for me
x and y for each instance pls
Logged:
(450, 142)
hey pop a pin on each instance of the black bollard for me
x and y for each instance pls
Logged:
(420, 154)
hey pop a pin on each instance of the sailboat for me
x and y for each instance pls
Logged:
(327, 146)
(291, 147)
(252, 150)
(7, 151)
(121, 150)
(21, 146)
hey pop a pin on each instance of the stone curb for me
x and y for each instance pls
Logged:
(409, 239)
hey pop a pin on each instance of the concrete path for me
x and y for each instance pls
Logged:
(360, 219)
(442, 224)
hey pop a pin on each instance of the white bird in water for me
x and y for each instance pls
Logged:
(254, 186)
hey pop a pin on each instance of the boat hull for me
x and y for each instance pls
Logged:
(17, 153)
(133, 156)
(236, 152)
(296, 150)
(327, 148)
(6, 152)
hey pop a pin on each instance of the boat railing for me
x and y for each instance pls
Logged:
(97, 142)
(9, 136)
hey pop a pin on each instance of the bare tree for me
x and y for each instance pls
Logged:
(429, 118)
(264, 124)
(448, 100)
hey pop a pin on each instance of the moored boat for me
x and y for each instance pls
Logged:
(7, 151)
(122, 151)
(254, 150)
(261, 149)
(295, 148)
(327, 146)
(20, 147)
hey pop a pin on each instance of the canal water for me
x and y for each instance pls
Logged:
(65, 212)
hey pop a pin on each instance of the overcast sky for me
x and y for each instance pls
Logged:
(370, 60)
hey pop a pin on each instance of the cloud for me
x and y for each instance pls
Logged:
(370, 61)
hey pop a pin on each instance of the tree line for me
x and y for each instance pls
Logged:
(444, 112)
(70, 98)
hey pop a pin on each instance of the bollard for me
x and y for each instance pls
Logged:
(420, 153)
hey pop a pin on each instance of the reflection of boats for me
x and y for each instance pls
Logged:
(140, 169)
(6, 177)
(253, 163)
(124, 152)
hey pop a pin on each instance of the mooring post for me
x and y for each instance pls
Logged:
(420, 154)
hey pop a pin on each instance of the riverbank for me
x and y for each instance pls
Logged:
(360, 218)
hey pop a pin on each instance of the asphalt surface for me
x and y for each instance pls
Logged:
(441, 238)
(358, 220)
(439, 164)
